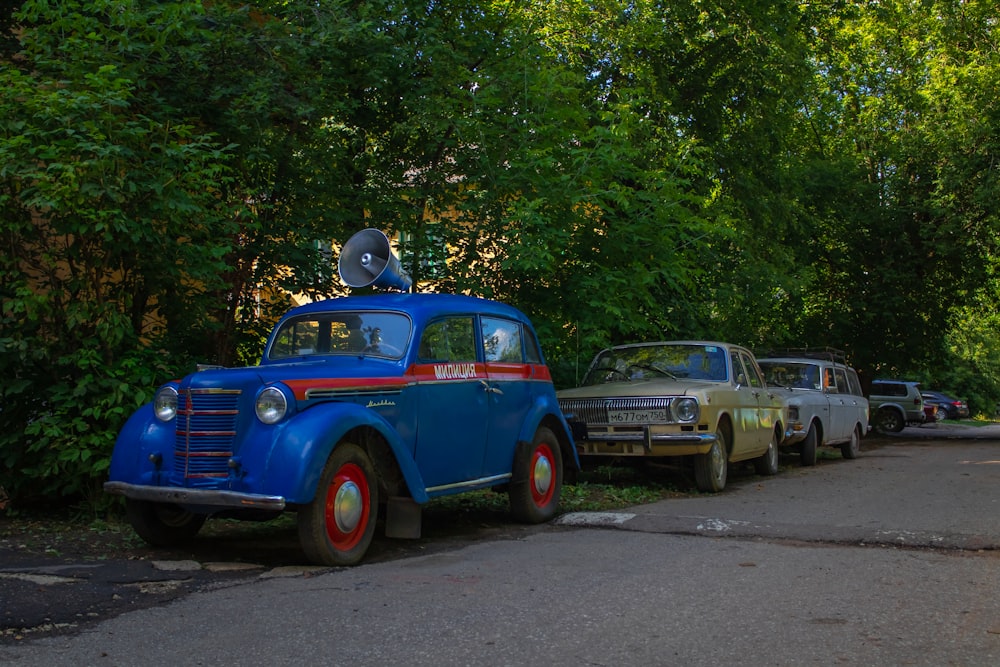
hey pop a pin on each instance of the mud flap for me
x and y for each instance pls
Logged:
(403, 517)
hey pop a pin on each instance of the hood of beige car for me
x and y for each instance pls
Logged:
(653, 387)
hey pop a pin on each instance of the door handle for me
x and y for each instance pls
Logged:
(490, 389)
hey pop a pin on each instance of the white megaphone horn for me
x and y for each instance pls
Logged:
(367, 259)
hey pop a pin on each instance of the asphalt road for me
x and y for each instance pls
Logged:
(893, 558)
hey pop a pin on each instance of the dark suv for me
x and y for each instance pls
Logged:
(894, 404)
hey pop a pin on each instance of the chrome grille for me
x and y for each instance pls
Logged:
(206, 430)
(594, 411)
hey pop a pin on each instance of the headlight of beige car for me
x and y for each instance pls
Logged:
(686, 410)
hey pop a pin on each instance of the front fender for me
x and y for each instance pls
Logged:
(545, 409)
(305, 442)
(141, 438)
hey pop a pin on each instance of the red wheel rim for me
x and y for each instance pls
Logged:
(348, 507)
(542, 480)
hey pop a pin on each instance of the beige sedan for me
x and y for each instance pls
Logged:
(706, 400)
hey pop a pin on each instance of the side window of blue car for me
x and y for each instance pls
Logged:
(450, 340)
(502, 340)
(532, 353)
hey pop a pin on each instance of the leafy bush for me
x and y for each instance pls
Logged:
(62, 422)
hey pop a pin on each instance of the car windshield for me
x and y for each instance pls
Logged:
(376, 333)
(678, 361)
(801, 375)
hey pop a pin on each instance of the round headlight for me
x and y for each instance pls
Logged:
(686, 409)
(165, 404)
(271, 405)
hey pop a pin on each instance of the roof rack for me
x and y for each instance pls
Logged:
(823, 353)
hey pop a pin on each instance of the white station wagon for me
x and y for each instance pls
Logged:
(824, 403)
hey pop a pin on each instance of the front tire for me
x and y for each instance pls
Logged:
(162, 524)
(337, 527)
(536, 480)
(808, 455)
(711, 469)
(851, 448)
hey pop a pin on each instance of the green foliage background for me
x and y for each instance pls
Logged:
(767, 173)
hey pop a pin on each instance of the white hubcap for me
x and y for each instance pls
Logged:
(542, 475)
(347, 507)
(718, 461)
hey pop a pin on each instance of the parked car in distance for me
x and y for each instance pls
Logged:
(703, 400)
(824, 403)
(358, 402)
(894, 404)
(948, 407)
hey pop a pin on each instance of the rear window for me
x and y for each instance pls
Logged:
(889, 388)
(854, 382)
(502, 340)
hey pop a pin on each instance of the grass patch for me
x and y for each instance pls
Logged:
(978, 422)
(597, 489)
(102, 534)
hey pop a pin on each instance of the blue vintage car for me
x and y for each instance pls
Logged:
(359, 403)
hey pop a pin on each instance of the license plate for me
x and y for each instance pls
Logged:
(637, 416)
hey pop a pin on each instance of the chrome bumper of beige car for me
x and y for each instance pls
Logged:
(589, 443)
(203, 497)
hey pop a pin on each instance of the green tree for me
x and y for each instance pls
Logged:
(635, 184)
(105, 214)
(176, 174)
(531, 155)
(898, 137)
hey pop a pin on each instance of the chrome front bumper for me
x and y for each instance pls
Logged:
(642, 443)
(202, 497)
(651, 438)
(794, 434)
